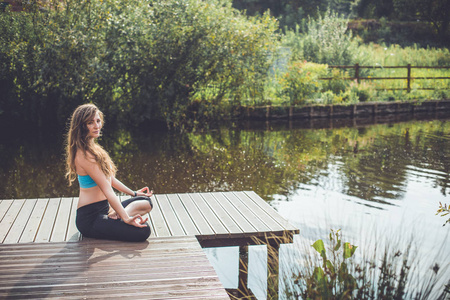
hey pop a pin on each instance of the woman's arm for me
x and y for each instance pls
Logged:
(118, 185)
(92, 169)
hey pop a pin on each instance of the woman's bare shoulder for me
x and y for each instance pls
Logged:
(84, 158)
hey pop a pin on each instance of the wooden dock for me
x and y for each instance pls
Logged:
(163, 268)
(206, 219)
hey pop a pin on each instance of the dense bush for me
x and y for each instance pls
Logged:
(136, 59)
(301, 81)
(325, 40)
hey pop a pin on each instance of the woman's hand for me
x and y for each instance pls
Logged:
(144, 192)
(113, 215)
(136, 221)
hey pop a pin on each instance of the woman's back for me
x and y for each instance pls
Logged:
(91, 194)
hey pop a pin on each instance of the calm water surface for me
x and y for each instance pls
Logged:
(373, 182)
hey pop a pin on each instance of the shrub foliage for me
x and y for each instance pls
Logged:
(136, 59)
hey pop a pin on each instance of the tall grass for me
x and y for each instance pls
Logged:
(394, 55)
(380, 267)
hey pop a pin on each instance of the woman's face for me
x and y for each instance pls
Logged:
(94, 126)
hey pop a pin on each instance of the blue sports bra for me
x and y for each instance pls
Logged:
(86, 181)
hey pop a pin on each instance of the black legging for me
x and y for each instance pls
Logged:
(93, 222)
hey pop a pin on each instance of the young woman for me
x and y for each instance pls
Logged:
(100, 213)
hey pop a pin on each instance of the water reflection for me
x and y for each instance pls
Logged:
(372, 163)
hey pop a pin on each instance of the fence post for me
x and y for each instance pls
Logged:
(357, 72)
(408, 88)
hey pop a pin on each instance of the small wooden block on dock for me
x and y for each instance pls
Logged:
(163, 268)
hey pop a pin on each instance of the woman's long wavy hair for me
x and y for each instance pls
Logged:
(78, 139)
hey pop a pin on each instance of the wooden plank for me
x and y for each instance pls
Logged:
(176, 268)
(130, 289)
(258, 211)
(268, 209)
(205, 294)
(68, 260)
(95, 250)
(173, 268)
(30, 252)
(149, 216)
(204, 287)
(73, 234)
(48, 221)
(19, 225)
(27, 259)
(248, 214)
(50, 270)
(150, 223)
(182, 214)
(204, 290)
(223, 216)
(196, 215)
(170, 217)
(198, 210)
(4, 206)
(31, 229)
(158, 221)
(62, 221)
(9, 218)
(126, 290)
(245, 226)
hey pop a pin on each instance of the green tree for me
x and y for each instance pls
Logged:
(289, 12)
(327, 41)
(137, 60)
(437, 12)
(374, 8)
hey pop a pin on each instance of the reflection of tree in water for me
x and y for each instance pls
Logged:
(377, 172)
(382, 168)
(33, 166)
(372, 163)
(432, 152)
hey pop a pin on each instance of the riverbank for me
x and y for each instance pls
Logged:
(358, 110)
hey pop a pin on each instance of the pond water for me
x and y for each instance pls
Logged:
(378, 183)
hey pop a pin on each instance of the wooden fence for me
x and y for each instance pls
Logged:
(408, 77)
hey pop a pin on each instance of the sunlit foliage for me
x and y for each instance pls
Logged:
(137, 59)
